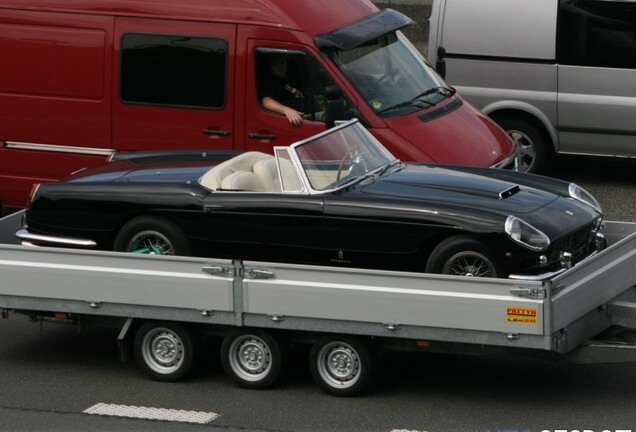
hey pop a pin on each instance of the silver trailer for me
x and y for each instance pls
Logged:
(164, 304)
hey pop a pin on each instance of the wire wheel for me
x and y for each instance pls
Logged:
(469, 263)
(151, 235)
(150, 243)
(464, 256)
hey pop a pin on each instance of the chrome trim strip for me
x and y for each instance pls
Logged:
(538, 277)
(58, 148)
(26, 237)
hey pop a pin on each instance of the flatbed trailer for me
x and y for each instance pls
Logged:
(164, 304)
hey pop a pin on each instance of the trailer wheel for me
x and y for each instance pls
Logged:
(253, 359)
(342, 366)
(464, 256)
(153, 236)
(165, 351)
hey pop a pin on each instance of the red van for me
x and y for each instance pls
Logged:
(82, 80)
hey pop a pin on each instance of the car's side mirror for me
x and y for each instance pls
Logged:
(335, 106)
(440, 63)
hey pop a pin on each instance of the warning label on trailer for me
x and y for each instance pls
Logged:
(521, 315)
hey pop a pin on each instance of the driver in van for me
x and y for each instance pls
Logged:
(281, 93)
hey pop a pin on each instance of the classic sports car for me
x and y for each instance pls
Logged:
(338, 198)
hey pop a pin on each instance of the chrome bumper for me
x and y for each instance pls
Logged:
(565, 261)
(29, 239)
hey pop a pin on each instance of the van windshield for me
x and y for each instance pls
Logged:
(392, 76)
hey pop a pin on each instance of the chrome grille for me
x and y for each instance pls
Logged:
(577, 243)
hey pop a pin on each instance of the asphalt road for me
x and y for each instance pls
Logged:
(50, 376)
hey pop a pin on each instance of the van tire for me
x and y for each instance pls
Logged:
(531, 142)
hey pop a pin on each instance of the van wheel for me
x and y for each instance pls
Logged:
(253, 359)
(532, 145)
(342, 365)
(464, 256)
(152, 236)
(165, 351)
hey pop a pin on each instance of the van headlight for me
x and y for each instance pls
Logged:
(525, 234)
(580, 194)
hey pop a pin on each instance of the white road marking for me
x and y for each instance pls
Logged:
(163, 414)
(405, 430)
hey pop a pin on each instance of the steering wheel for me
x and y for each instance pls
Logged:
(348, 155)
(355, 156)
(392, 77)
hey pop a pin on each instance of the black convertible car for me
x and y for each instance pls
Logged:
(338, 199)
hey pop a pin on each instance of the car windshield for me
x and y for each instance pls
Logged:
(340, 156)
(392, 76)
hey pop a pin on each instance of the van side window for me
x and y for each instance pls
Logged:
(173, 70)
(597, 33)
(306, 81)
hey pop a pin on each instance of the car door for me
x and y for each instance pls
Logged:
(265, 129)
(265, 226)
(175, 86)
(597, 77)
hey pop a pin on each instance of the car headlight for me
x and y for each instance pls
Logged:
(580, 194)
(525, 234)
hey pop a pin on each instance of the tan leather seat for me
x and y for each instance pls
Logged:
(242, 181)
(213, 179)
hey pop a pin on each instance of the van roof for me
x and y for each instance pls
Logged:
(313, 16)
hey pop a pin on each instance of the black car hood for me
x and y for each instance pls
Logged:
(449, 186)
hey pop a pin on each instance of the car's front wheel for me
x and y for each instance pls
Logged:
(464, 256)
(153, 236)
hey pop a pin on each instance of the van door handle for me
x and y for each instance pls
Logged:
(216, 132)
(261, 136)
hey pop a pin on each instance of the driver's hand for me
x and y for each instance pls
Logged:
(295, 117)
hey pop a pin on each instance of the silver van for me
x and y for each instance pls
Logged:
(558, 75)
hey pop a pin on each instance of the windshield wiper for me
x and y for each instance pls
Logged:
(446, 91)
(386, 167)
(411, 102)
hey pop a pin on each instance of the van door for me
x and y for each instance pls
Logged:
(175, 87)
(265, 128)
(597, 77)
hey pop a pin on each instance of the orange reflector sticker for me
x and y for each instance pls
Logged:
(521, 315)
(423, 344)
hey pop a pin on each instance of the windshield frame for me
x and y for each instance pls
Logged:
(367, 141)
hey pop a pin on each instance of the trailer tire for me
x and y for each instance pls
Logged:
(464, 256)
(253, 359)
(151, 235)
(165, 351)
(342, 365)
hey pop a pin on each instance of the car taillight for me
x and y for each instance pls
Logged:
(34, 191)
